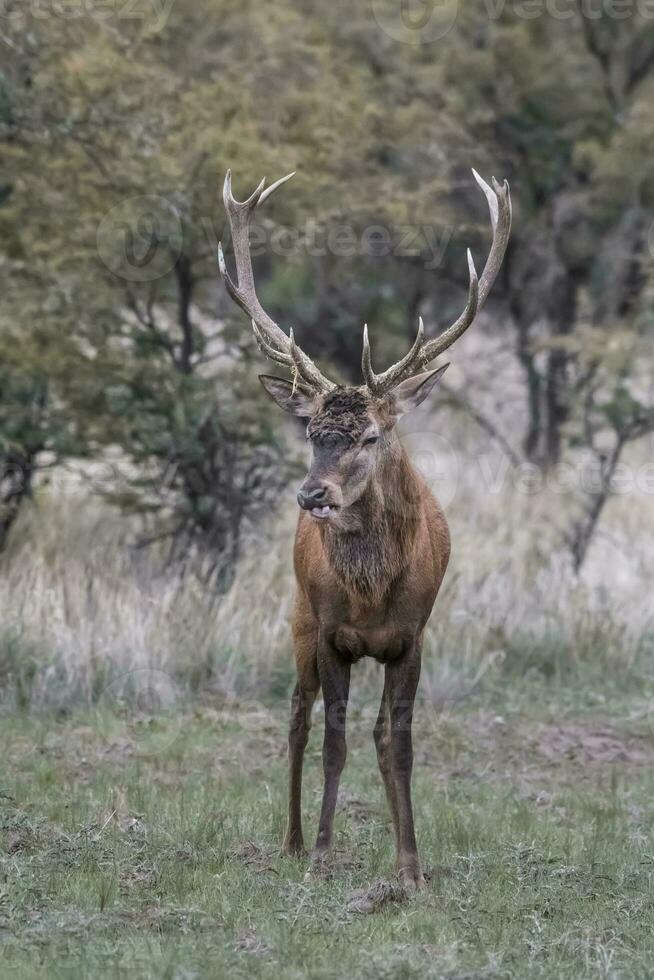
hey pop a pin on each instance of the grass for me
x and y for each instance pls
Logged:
(80, 611)
(148, 844)
(143, 775)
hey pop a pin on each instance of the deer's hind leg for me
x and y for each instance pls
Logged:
(305, 637)
(382, 734)
(401, 684)
(334, 674)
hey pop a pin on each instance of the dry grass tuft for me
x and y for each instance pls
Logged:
(381, 894)
(86, 617)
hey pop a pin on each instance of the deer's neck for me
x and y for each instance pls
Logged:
(370, 552)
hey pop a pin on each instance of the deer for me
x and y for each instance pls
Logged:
(371, 545)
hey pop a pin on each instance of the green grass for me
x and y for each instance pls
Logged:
(147, 846)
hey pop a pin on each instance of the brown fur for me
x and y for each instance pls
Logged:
(366, 584)
(342, 415)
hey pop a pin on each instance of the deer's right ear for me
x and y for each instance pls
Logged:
(413, 391)
(282, 393)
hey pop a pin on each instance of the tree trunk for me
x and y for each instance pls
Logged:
(582, 534)
(185, 285)
(16, 474)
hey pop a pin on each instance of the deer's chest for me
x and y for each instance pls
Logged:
(357, 628)
(367, 599)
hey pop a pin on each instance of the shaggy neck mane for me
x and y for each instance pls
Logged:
(371, 555)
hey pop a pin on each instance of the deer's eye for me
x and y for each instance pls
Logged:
(371, 441)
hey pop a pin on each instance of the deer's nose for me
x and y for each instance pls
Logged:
(313, 497)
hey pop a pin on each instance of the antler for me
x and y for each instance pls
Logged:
(270, 337)
(499, 203)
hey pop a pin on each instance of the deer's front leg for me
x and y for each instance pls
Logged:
(334, 675)
(401, 685)
(298, 736)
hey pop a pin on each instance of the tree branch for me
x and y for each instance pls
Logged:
(457, 400)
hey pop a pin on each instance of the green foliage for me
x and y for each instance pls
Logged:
(621, 408)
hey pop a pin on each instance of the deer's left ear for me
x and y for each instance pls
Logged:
(284, 393)
(413, 391)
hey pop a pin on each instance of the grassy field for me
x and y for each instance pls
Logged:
(147, 844)
(143, 774)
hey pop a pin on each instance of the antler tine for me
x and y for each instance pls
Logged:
(501, 212)
(499, 206)
(273, 187)
(270, 337)
(239, 214)
(379, 383)
(268, 349)
(307, 369)
(435, 347)
(499, 203)
(366, 363)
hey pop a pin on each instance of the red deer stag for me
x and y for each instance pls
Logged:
(372, 544)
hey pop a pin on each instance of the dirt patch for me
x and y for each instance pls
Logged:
(356, 809)
(20, 839)
(255, 857)
(19, 833)
(118, 750)
(119, 816)
(136, 876)
(165, 918)
(533, 755)
(252, 945)
(593, 746)
(380, 895)
(341, 861)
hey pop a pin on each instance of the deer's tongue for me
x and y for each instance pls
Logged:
(321, 511)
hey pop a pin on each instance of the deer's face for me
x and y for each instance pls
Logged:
(346, 435)
(348, 432)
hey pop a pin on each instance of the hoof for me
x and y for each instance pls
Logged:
(293, 847)
(319, 859)
(411, 879)
(318, 865)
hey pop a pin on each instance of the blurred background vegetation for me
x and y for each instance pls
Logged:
(147, 487)
(126, 376)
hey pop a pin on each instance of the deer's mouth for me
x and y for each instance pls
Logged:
(323, 513)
